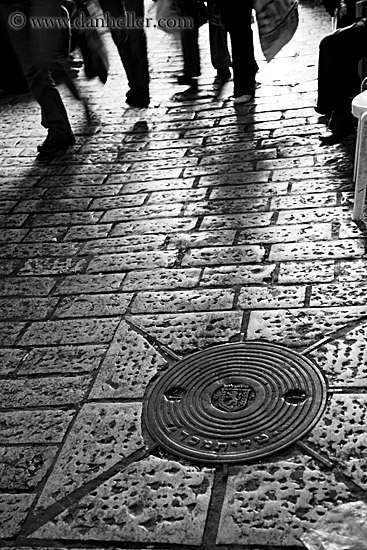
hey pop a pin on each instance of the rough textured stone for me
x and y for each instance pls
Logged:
(23, 468)
(237, 275)
(44, 426)
(306, 272)
(9, 333)
(10, 359)
(26, 286)
(83, 284)
(62, 360)
(129, 365)
(26, 308)
(152, 501)
(347, 248)
(300, 327)
(75, 331)
(190, 331)
(341, 434)
(95, 305)
(102, 435)
(184, 300)
(33, 392)
(344, 359)
(224, 255)
(271, 296)
(273, 503)
(129, 261)
(286, 233)
(161, 278)
(13, 511)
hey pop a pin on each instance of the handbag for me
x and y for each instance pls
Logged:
(277, 21)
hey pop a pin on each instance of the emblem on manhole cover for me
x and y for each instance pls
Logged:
(235, 402)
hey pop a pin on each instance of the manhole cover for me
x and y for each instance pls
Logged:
(235, 402)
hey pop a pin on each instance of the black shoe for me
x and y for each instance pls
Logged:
(137, 99)
(340, 126)
(55, 142)
(223, 75)
(185, 80)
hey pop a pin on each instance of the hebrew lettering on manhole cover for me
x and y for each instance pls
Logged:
(235, 402)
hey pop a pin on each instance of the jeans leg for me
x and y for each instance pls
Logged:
(238, 24)
(131, 43)
(36, 49)
(338, 79)
(219, 53)
(190, 39)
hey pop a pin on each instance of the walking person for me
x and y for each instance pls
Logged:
(237, 18)
(132, 47)
(36, 50)
(338, 79)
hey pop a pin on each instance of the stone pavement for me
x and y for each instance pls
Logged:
(160, 233)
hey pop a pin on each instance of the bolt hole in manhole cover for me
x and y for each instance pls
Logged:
(235, 402)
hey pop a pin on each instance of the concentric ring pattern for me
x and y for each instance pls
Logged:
(235, 402)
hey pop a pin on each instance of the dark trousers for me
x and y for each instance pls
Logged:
(338, 80)
(36, 50)
(219, 54)
(237, 18)
(131, 43)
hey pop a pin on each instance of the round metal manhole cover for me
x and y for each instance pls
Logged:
(235, 402)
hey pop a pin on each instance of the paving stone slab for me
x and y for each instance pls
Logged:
(93, 305)
(223, 255)
(344, 359)
(24, 467)
(83, 284)
(159, 225)
(61, 359)
(286, 233)
(73, 331)
(157, 185)
(183, 300)
(103, 435)
(131, 362)
(301, 327)
(26, 286)
(190, 331)
(45, 391)
(162, 279)
(8, 266)
(86, 232)
(44, 426)
(52, 266)
(130, 260)
(273, 503)
(197, 239)
(354, 270)
(9, 333)
(233, 221)
(341, 433)
(127, 243)
(49, 234)
(30, 250)
(13, 511)
(227, 206)
(317, 271)
(62, 218)
(153, 211)
(275, 296)
(347, 248)
(152, 501)
(10, 359)
(347, 294)
(26, 308)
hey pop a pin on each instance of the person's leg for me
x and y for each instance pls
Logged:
(338, 80)
(219, 53)
(132, 47)
(238, 23)
(36, 49)
(190, 41)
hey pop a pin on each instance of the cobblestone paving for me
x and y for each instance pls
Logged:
(160, 233)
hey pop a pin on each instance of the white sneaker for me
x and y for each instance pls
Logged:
(243, 98)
